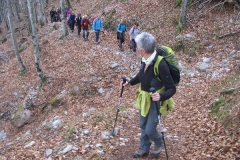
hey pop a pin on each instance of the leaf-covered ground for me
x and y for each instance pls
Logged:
(70, 63)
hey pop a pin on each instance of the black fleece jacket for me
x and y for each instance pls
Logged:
(148, 79)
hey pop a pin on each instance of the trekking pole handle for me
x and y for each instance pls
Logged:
(124, 81)
(152, 89)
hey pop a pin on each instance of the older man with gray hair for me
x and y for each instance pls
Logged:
(146, 101)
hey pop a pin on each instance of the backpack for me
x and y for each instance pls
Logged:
(93, 19)
(168, 54)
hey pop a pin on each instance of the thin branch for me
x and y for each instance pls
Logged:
(208, 10)
(229, 34)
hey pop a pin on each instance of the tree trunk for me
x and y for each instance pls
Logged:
(9, 15)
(68, 3)
(16, 15)
(45, 3)
(35, 12)
(63, 20)
(40, 13)
(3, 17)
(103, 7)
(43, 11)
(183, 14)
(35, 41)
(25, 15)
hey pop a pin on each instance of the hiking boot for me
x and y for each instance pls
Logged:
(140, 153)
(156, 151)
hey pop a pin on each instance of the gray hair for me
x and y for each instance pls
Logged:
(146, 41)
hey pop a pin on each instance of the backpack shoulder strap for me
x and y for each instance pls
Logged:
(156, 71)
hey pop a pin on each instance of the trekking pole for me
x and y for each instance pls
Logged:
(113, 133)
(153, 90)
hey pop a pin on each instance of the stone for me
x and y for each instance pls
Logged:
(54, 123)
(86, 132)
(30, 144)
(190, 36)
(48, 152)
(114, 65)
(105, 135)
(22, 117)
(3, 135)
(100, 152)
(100, 90)
(99, 145)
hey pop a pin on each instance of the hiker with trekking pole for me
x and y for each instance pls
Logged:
(149, 102)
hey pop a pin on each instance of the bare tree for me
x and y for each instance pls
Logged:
(103, 7)
(41, 2)
(183, 14)
(68, 3)
(16, 15)
(9, 15)
(3, 16)
(41, 15)
(64, 26)
(35, 41)
(25, 15)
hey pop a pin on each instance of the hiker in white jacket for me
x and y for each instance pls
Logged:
(134, 31)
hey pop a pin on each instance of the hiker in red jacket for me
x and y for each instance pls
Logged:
(85, 25)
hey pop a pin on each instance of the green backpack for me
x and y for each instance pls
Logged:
(168, 54)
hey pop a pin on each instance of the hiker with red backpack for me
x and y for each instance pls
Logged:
(85, 27)
(149, 102)
(121, 29)
(65, 10)
(134, 31)
(68, 14)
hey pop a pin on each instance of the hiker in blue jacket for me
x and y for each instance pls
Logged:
(146, 101)
(121, 29)
(97, 27)
(72, 21)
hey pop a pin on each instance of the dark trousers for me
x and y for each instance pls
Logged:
(121, 39)
(97, 32)
(72, 25)
(79, 29)
(133, 45)
(52, 18)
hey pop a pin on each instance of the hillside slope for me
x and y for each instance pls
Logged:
(89, 74)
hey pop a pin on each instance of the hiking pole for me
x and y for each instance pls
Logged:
(153, 90)
(113, 133)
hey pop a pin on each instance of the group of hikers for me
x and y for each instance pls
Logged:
(83, 23)
(55, 15)
(149, 103)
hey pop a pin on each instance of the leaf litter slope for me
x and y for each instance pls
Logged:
(74, 62)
